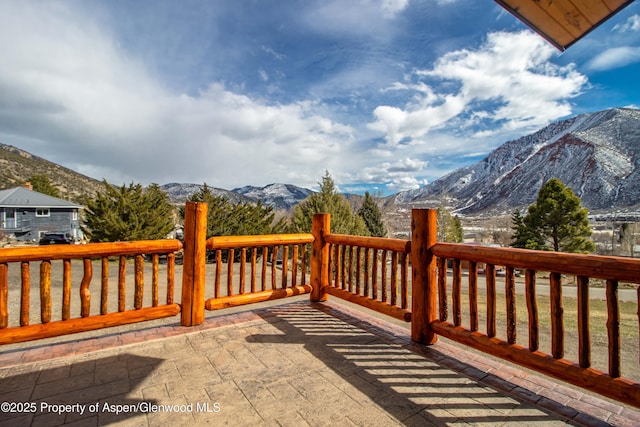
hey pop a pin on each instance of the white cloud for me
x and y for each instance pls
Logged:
(406, 183)
(399, 175)
(616, 57)
(631, 24)
(509, 80)
(81, 101)
(371, 18)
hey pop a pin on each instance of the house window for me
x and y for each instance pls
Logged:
(42, 212)
(74, 215)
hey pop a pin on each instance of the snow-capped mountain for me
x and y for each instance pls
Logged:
(596, 154)
(179, 193)
(280, 196)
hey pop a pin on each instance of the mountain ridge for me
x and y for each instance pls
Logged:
(593, 153)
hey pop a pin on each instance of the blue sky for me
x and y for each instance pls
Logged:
(386, 95)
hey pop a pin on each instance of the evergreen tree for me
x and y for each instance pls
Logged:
(128, 213)
(449, 226)
(227, 219)
(523, 236)
(372, 217)
(343, 220)
(556, 221)
(41, 184)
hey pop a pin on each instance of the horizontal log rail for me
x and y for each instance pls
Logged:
(370, 271)
(595, 266)
(257, 268)
(235, 242)
(90, 250)
(57, 293)
(613, 270)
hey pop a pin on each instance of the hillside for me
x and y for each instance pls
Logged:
(16, 166)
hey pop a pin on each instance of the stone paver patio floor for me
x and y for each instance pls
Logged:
(293, 364)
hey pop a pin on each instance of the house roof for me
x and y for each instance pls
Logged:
(563, 22)
(21, 197)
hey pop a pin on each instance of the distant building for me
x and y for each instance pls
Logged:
(27, 215)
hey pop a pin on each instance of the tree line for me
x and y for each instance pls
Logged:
(555, 221)
(131, 212)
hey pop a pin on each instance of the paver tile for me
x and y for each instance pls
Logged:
(295, 364)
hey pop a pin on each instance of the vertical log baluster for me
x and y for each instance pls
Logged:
(532, 309)
(265, 257)
(171, 274)
(557, 317)
(216, 290)
(343, 267)
(584, 336)
(243, 267)
(404, 282)
(230, 261)
(510, 291)
(350, 269)
(490, 276)
(394, 278)
(294, 266)
(45, 291)
(138, 294)
(443, 308)
(358, 269)
(473, 296)
(66, 289)
(85, 294)
(104, 286)
(613, 328)
(25, 293)
(285, 266)
(456, 293)
(122, 274)
(274, 261)
(254, 261)
(4, 295)
(367, 253)
(155, 261)
(374, 275)
(334, 265)
(383, 274)
(303, 267)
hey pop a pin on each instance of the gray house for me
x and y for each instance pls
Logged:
(27, 215)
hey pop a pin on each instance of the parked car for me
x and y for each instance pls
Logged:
(54, 239)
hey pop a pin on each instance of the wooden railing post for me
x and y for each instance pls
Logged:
(194, 264)
(320, 257)
(423, 284)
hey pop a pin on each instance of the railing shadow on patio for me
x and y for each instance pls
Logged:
(413, 388)
(404, 279)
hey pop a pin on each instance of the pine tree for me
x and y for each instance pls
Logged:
(523, 236)
(227, 219)
(372, 217)
(41, 184)
(556, 221)
(343, 220)
(449, 226)
(128, 213)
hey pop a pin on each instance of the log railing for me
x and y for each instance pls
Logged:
(444, 314)
(75, 300)
(250, 269)
(372, 272)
